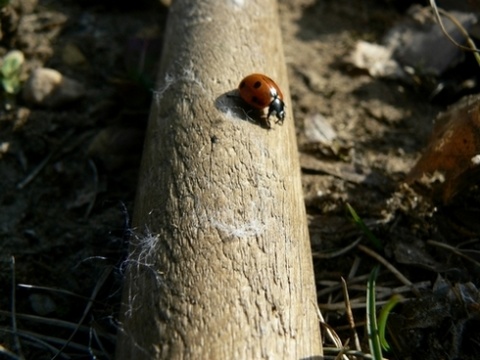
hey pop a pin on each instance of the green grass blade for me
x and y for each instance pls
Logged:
(372, 325)
(382, 319)
(373, 239)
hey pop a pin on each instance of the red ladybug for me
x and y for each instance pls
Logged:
(261, 92)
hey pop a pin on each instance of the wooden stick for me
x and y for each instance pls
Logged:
(220, 265)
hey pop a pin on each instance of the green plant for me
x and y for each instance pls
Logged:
(382, 320)
(372, 324)
(359, 222)
(10, 71)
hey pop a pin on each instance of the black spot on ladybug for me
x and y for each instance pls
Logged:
(257, 84)
(256, 100)
(242, 85)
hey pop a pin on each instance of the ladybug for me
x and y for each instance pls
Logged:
(261, 92)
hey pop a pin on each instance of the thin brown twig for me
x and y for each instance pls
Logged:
(390, 267)
(452, 249)
(95, 291)
(48, 288)
(359, 303)
(330, 333)
(437, 13)
(349, 313)
(43, 163)
(57, 322)
(333, 254)
(335, 285)
(342, 351)
(354, 267)
(45, 341)
(348, 352)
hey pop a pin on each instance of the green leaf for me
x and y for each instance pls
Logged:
(10, 71)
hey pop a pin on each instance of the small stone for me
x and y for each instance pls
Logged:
(72, 55)
(117, 147)
(49, 88)
(318, 129)
(4, 147)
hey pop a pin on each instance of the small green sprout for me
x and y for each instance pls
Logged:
(10, 71)
(382, 320)
(358, 220)
(372, 325)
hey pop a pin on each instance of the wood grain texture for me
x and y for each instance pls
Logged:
(220, 264)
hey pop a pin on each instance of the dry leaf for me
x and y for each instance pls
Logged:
(450, 162)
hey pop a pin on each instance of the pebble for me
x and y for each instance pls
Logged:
(117, 146)
(73, 56)
(49, 88)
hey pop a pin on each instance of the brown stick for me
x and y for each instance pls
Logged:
(220, 267)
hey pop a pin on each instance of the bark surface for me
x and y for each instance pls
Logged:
(220, 264)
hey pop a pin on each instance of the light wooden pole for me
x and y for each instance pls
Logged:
(220, 264)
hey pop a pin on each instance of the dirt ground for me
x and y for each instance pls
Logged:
(64, 228)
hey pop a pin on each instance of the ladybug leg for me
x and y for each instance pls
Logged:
(268, 124)
(266, 119)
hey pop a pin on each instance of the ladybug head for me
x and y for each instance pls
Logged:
(277, 107)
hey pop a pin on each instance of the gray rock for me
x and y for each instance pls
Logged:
(49, 88)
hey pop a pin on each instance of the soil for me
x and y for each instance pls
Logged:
(69, 178)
